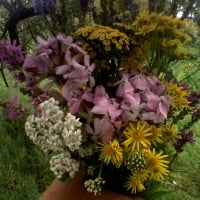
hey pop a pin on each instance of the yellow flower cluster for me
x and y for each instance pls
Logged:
(124, 27)
(135, 150)
(111, 39)
(134, 60)
(158, 35)
(178, 94)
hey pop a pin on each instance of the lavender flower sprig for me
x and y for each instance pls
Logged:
(11, 55)
(44, 6)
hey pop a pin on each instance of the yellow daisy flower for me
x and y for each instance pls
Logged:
(157, 173)
(134, 184)
(111, 152)
(142, 174)
(156, 136)
(178, 94)
(157, 165)
(136, 136)
(169, 133)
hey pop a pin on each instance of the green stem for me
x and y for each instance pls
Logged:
(3, 76)
(173, 158)
(190, 74)
(100, 171)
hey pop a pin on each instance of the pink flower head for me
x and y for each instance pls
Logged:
(66, 65)
(105, 106)
(143, 97)
(126, 91)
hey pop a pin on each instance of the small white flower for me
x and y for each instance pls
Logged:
(94, 185)
(52, 131)
(86, 150)
(71, 133)
(63, 164)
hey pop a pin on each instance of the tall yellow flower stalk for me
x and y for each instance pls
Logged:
(162, 39)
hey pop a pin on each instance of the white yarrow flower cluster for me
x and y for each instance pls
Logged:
(86, 150)
(45, 130)
(63, 163)
(71, 132)
(94, 185)
(54, 132)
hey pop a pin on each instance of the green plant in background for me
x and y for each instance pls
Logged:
(23, 170)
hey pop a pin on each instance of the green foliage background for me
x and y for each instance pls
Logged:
(24, 172)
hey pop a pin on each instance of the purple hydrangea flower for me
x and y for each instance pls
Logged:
(143, 97)
(65, 64)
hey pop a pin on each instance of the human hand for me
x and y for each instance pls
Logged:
(74, 190)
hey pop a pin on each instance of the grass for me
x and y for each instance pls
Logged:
(184, 179)
(24, 173)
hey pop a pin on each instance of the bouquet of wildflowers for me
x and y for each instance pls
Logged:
(104, 106)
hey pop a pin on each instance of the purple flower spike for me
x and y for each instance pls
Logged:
(50, 5)
(196, 114)
(38, 6)
(14, 110)
(46, 6)
(11, 55)
(185, 137)
(194, 97)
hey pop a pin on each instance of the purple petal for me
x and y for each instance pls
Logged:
(87, 60)
(133, 99)
(139, 82)
(163, 108)
(99, 110)
(61, 69)
(100, 91)
(88, 96)
(41, 41)
(68, 58)
(114, 111)
(74, 105)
